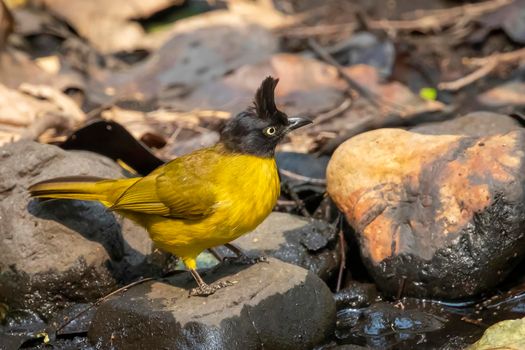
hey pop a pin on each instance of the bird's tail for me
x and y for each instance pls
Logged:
(82, 187)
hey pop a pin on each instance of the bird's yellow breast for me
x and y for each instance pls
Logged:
(246, 189)
(250, 188)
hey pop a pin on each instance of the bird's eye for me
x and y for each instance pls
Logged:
(270, 131)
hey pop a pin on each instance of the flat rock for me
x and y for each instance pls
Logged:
(479, 123)
(272, 305)
(201, 49)
(58, 251)
(311, 244)
(444, 212)
(508, 94)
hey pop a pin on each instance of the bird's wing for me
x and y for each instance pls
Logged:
(181, 189)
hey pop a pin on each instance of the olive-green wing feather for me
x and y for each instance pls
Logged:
(180, 189)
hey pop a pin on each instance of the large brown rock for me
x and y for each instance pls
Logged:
(444, 212)
(59, 251)
(272, 305)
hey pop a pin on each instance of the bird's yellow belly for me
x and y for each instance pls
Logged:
(246, 195)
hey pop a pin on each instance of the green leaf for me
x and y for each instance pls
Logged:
(428, 93)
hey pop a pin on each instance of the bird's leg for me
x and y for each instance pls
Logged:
(216, 254)
(242, 258)
(205, 289)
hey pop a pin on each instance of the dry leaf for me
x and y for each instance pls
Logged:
(108, 25)
(306, 86)
(202, 48)
(32, 110)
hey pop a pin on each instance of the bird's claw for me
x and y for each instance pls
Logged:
(207, 289)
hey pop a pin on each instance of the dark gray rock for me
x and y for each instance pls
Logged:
(58, 251)
(473, 124)
(311, 244)
(271, 305)
(346, 347)
(356, 295)
(303, 164)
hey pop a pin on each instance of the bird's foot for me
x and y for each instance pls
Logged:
(206, 289)
(243, 259)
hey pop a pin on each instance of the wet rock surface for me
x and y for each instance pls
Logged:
(311, 244)
(427, 324)
(56, 252)
(356, 295)
(382, 321)
(436, 216)
(272, 305)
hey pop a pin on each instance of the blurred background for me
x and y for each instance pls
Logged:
(173, 71)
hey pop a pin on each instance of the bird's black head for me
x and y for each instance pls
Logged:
(258, 129)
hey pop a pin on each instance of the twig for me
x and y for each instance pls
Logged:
(468, 79)
(299, 177)
(436, 20)
(99, 301)
(486, 64)
(285, 203)
(216, 254)
(370, 96)
(474, 322)
(324, 29)
(56, 97)
(423, 21)
(401, 288)
(321, 118)
(298, 201)
(46, 121)
(97, 111)
(342, 264)
(325, 56)
(505, 57)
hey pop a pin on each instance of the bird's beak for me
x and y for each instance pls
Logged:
(297, 122)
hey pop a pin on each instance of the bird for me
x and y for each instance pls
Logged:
(203, 199)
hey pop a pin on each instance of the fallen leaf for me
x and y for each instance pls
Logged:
(114, 141)
(16, 68)
(306, 86)
(201, 48)
(50, 64)
(31, 110)
(108, 25)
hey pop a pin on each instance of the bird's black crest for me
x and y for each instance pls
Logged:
(265, 102)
